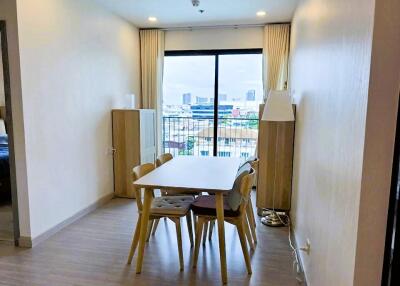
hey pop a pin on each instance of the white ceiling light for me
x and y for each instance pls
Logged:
(261, 13)
(152, 19)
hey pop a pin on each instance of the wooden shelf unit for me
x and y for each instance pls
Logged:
(134, 143)
(275, 151)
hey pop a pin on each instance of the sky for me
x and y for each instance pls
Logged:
(195, 75)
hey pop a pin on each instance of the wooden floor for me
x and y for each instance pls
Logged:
(93, 251)
(6, 222)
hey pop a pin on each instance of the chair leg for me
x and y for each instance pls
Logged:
(194, 222)
(250, 219)
(242, 238)
(205, 232)
(190, 227)
(135, 240)
(250, 206)
(148, 198)
(155, 226)
(149, 228)
(210, 230)
(247, 232)
(179, 240)
(199, 230)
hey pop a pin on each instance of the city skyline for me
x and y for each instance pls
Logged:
(187, 98)
(238, 74)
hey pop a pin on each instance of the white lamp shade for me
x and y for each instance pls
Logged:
(278, 107)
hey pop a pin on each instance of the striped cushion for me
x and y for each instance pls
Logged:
(173, 205)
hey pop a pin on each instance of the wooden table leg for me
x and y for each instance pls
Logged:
(219, 200)
(148, 197)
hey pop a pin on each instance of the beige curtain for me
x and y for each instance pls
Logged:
(276, 56)
(152, 67)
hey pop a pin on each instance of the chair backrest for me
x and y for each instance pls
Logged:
(164, 158)
(254, 163)
(137, 173)
(246, 185)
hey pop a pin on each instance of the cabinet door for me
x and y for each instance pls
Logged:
(126, 144)
(147, 136)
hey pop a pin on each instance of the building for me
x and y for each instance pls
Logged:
(232, 142)
(222, 97)
(251, 95)
(187, 98)
(201, 100)
(206, 111)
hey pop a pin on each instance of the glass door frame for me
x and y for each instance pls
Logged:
(216, 54)
(391, 262)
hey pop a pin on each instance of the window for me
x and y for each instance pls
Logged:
(211, 101)
(224, 154)
(244, 154)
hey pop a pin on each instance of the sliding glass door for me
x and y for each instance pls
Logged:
(240, 89)
(210, 102)
(188, 105)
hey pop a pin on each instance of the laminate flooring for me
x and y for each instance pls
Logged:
(94, 250)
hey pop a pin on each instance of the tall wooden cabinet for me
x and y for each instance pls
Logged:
(275, 168)
(134, 143)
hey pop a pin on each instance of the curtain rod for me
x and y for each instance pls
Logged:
(214, 27)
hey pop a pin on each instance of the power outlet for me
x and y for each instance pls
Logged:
(307, 247)
(110, 151)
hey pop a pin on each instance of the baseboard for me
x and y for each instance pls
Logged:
(28, 242)
(296, 246)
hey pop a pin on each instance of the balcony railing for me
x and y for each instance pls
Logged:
(237, 137)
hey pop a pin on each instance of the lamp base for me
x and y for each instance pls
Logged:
(273, 219)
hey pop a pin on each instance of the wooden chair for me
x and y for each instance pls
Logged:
(249, 214)
(204, 208)
(249, 210)
(162, 159)
(172, 208)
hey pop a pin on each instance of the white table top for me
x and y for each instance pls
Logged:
(214, 174)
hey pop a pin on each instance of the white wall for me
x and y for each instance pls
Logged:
(209, 39)
(383, 97)
(77, 62)
(8, 13)
(333, 85)
(2, 99)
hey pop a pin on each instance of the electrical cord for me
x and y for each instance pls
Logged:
(296, 262)
(288, 224)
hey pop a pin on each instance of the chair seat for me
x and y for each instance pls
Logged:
(205, 205)
(174, 205)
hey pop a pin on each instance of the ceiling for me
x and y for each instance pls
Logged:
(181, 13)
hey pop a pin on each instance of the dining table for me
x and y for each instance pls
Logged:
(214, 175)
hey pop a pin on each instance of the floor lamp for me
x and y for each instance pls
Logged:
(278, 108)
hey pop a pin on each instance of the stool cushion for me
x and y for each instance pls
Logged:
(173, 205)
(205, 205)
